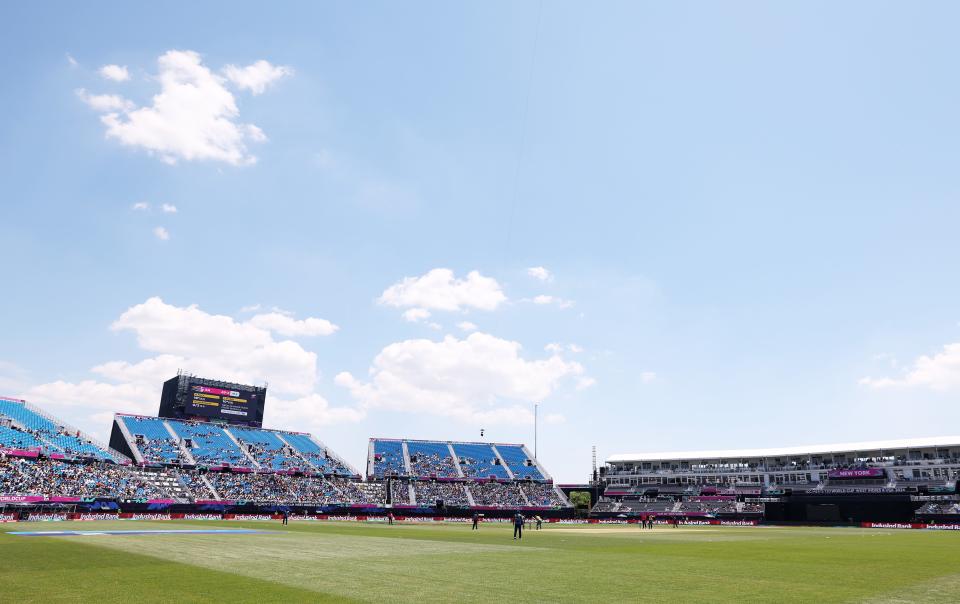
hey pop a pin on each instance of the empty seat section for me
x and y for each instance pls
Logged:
(267, 448)
(53, 437)
(156, 446)
(516, 459)
(210, 444)
(388, 458)
(316, 455)
(478, 461)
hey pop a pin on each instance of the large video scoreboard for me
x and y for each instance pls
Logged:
(190, 397)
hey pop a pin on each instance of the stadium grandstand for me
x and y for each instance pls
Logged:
(462, 475)
(187, 464)
(154, 440)
(25, 427)
(883, 480)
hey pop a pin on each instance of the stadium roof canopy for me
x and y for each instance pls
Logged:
(878, 445)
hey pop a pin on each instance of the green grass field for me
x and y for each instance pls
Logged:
(328, 561)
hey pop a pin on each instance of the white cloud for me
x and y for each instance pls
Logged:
(416, 314)
(539, 272)
(439, 289)
(168, 208)
(647, 377)
(206, 344)
(478, 378)
(256, 76)
(544, 299)
(467, 326)
(250, 308)
(73, 62)
(310, 413)
(161, 233)
(574, 348)
(435, 326)
(105, 103)
(286, 325)
(117, 73)
(141, 206)
(193, 117)
(940, 372)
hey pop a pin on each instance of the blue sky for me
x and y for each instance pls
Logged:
(746, 214)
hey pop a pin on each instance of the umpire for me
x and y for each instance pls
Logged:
(518, 526)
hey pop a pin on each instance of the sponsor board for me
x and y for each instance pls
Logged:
(46, 517)
(93, 516)
(933, 526)
(145, 516)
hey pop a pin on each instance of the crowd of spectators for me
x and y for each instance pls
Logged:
(541, 494)
(432, 464)
(53, 478)
(501, 494)
(451, 493)
(194, 485)
(293, 489)
(399, 492)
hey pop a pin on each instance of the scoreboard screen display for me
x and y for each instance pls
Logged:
(207, 401)
(190, 397)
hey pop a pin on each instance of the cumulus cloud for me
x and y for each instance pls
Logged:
(416, 314)
(544, 299)
(440, 289)
(539, 272)
(939, 372)
(141, 206)
(161, 233)
(193, 117)
(73, 62)
(478, 378)
(194, 340)
(117, 73)
(311, 412)
(286, 325)
(467, 326)
(256, 76)
(169, 208)
(105, 103)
